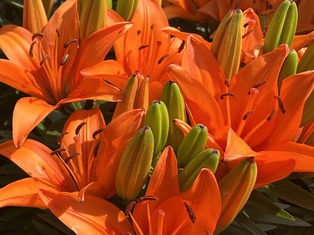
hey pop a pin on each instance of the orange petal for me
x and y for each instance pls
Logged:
(17, 77)
(39, 163)
(194, 63)
(93, 189)
(98, 44)
(294, 92)
(94, 215)
(15, 42)
(203, 106)
(272, 171)
(94, 89)
(24, 193)
(28, 113)
(148, 34)
(301, 153)
(204, 198)
(264, 68)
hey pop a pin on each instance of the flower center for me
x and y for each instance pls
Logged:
(80, 160)
(46, 53)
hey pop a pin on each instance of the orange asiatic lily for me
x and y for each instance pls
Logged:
(247, 116)
(95, 215)
(86, 161)
(47, 66)
(145, 48)
(194, 211)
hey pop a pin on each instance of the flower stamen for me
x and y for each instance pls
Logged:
(222, 96)
(281, 106)
(142, 47)
(97, 132)
(162, 58)
(73, 155)
(190, 212)
(79, 127)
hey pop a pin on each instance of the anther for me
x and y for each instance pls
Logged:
(246, 24)
(190, 212)
(158, 43)
(162, 58)
(58, 33)
(222, 96)
(138, 32)
(71, 157)
(59, 150)
(271, 115)
(131, 205)
(97, 132)
(142, 47)
(96, 149)
(227, 83)
(247, 33)
(281, 106)
(259, 84)
(61, 136)
(152, 26)
(65, 59)
(245, 116)
(181, 47)
(35, 35)
(44, 59)
(30, 52)
(78, 128)
(69, 42)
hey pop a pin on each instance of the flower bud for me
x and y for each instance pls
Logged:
(126, 8)
(208, 158)
(135, 164)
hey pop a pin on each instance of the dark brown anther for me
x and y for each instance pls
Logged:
(281, 106)
(58, 32)
(59, 150)
(61, 136)
(142, 47)
(97, 132)
(152, 26)
(78, 128)
(129, 208)
(227, 83)
(190, 212)
(222, 96)
(131, 205)
(259, 84)
(247, 33)
(65, 59)
(96, 149)
(181, 47)
(138, 32)
(71, 157)
(271, 115)
(246, 24)
(245, 116)
(44, 59)
(162, 58)
(69, 42)
(30, 52)
(37, 35)
(158, 43)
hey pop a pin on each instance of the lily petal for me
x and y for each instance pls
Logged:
(28, 113)
(94, 215)
(204, 198)
(39, 164)
(34, 16)
(24, 193)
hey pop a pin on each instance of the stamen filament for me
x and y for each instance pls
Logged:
(161, 215)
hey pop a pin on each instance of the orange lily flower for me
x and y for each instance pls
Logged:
(247, 117)
(86, 161)
(47, 66)
(306, 16)
(145, 48)
(194, 211)
(95, 215)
